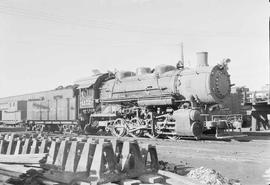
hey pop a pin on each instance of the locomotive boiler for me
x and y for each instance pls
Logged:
(167, 100)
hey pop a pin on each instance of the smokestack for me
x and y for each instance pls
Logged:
(202, 59)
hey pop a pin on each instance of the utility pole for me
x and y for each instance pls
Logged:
(182, 52)
(269, 60)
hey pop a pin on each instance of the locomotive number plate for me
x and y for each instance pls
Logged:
(86, 103)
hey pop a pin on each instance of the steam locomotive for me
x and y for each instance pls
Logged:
(165, 101)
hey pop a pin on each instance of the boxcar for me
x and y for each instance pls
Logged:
(55, 108)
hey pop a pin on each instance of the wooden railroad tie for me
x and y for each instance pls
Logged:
(99, 163)
(89, 160)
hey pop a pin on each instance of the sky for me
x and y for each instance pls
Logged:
(48, 43)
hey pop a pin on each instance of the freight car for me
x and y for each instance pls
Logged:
(164, 101)
(53, 110)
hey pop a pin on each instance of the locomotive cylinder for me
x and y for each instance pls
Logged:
(194, 115)
(185, 125)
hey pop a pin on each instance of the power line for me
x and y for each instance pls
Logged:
(60, 19)
(105, 25)
(93, 24)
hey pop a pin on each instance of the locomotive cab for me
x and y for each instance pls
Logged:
(88, 99)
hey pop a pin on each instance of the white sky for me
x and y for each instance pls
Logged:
(47, 43)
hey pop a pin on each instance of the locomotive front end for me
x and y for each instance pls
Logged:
(202, 87)
(219, 83)
(205, 84)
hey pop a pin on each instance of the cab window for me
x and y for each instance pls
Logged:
(86, 92)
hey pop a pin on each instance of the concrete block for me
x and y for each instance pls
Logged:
(117, 148)
(6, 137)
(132, 161)
(62, 154)
(104, 167)
(151, 178)
(83, 164)
(101, 140)
(149, 156)
(26, 146)
(18, 146)
(50, 158)
(130, 182)
(42, 148)
(89, 140)
(33, 147)
(70, 164)
(3, 146)
(10, 145)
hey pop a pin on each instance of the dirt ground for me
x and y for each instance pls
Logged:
(243, 160)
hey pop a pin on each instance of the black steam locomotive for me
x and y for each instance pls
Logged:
(164, 101)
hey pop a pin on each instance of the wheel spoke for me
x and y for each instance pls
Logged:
(135, 123)
(119, 128)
